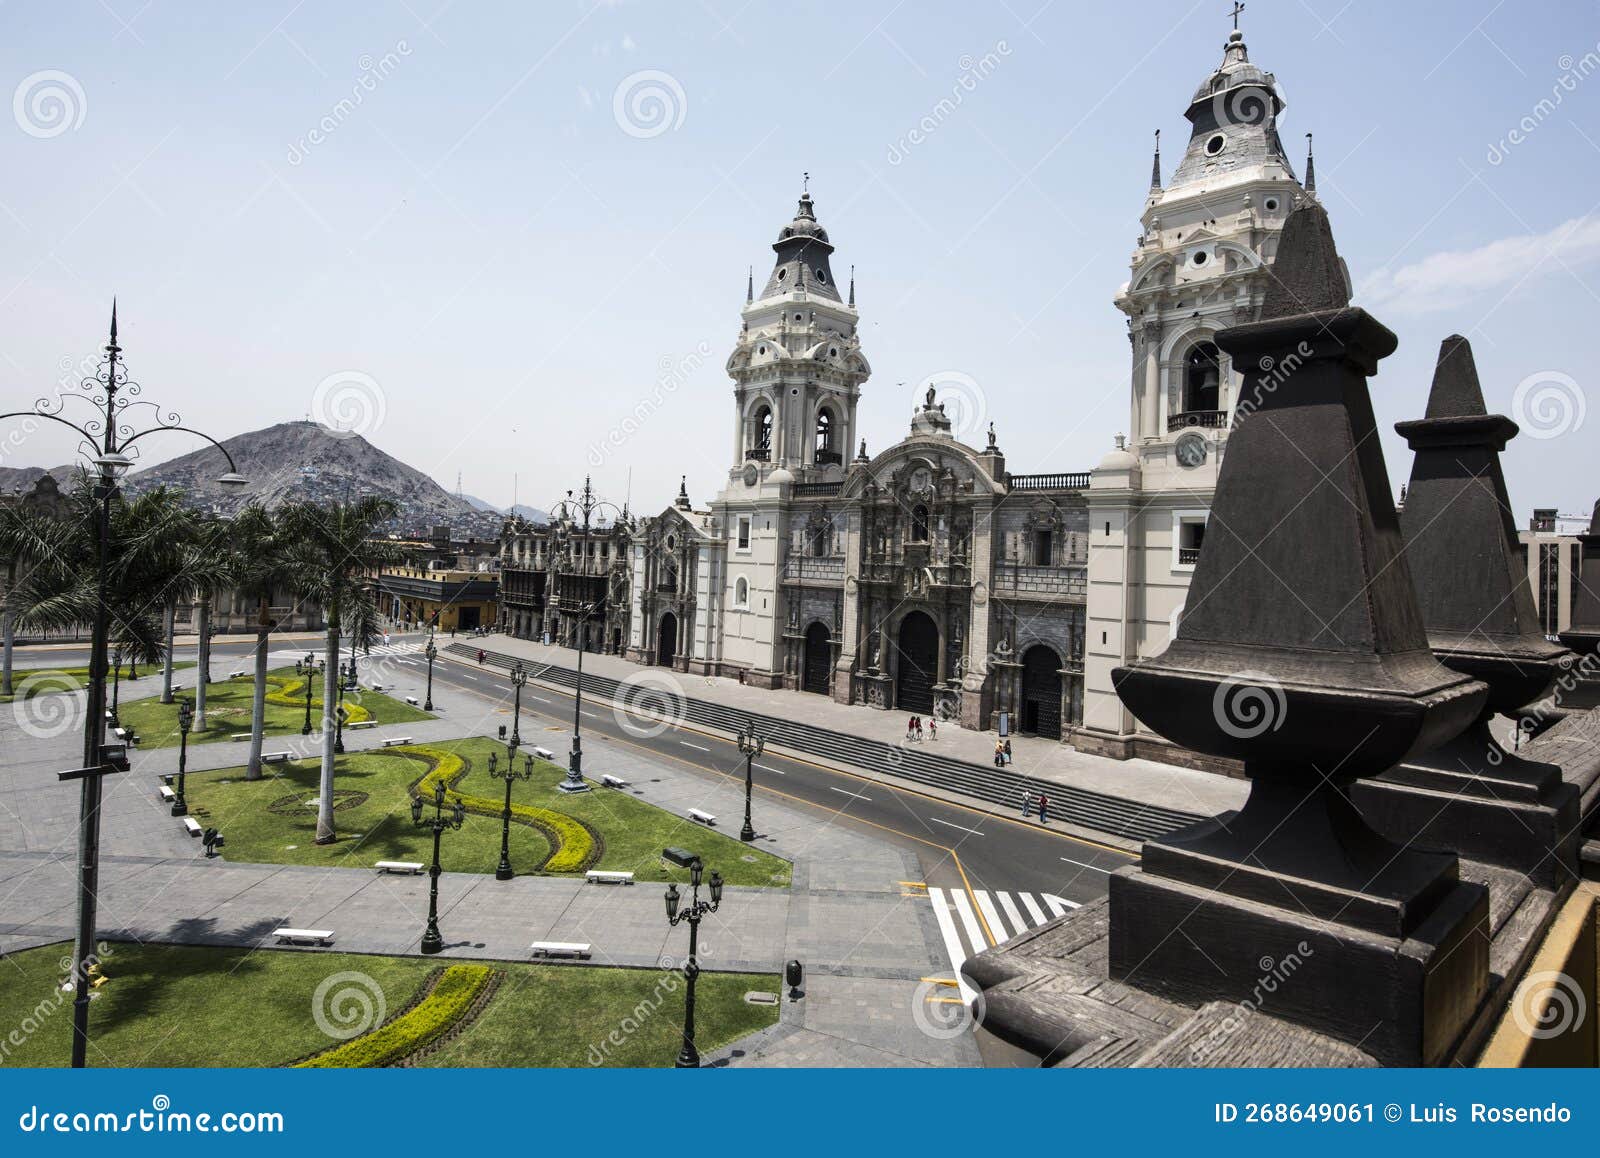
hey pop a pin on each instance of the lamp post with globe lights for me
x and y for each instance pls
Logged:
(308, 667)
(510, 774)
(180, 804)
(431, 652)
(432, 941)
(694, 913)
(750, 746)
(570, 515)
(108, 434)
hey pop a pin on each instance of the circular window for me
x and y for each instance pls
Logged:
(1200, 257)
(1272, 203)
(822, 276)
(795, 390)
(1214, 145)
(782, 273)
(833, 351)
(761, 349)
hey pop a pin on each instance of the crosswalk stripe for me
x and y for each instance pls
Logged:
(991, 916)
(952, 941)
(1010, 907)
(964, 910)
(1033, 908)
(1059, 905)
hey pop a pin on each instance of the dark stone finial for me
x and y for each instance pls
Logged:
(750, 285)
(1155, 165)
(1307, 275)
(1455, 392)
(852, 286)
(1311, 167)
(1461, 545)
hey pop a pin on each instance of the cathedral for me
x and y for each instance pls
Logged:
(928, 578)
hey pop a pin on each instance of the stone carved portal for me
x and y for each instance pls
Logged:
(916, 663)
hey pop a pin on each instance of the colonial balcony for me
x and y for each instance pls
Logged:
(1184, 419)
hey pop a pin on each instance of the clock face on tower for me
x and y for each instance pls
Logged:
(1190, 450)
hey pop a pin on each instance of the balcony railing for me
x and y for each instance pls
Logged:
(1072, 480)
(1188, 556)
(1213, 419)
(816, 488)
(759, 454)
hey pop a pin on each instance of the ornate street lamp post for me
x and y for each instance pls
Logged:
(107, 436)
(688, 1056)
(346, 681)
(430, 651)
(432, 942)
(308, 668)
(519, 679)
(116, 686)
(565, 514)
(751, 745)
(180, 804)
(509, 774)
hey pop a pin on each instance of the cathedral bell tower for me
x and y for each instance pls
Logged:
(1199, 266)
(797, 366)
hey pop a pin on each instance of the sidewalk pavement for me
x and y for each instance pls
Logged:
(866, 945)
(1139, 781)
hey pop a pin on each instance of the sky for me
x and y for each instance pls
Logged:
(508, 243)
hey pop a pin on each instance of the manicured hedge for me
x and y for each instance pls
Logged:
(575, 846)
(431, 1018)
(289, 692)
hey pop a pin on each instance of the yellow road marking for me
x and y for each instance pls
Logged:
(939, 981)
(943, 1000)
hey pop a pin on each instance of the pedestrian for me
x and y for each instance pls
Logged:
(911, 726)
(1008, 752)
(1027, 803)
(917, 722)
(482, 655)
(999, 754)
(1044, 809)
(452, 631)
(933, 728)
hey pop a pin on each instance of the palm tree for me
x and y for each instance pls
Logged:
(23, 538)
(259, 562)
(342, 554)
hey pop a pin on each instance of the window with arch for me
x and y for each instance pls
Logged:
(919, 524)
(760, 433)
(1202, 369)
(741, 592)
(827, 450)
(820, 537)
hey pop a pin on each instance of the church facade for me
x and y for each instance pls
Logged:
(928, 578)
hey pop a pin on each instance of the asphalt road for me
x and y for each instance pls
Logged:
(961, 847)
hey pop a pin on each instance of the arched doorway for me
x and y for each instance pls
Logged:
(1041, 692)
(917, 663)
(667, 640)
(818, 660)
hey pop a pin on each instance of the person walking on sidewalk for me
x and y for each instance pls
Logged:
(933, 727)
(911, 726)
(482, 655)
(1044, 809)
(999, 754)
(1027, 802)
(1008, 752)
(917, 724)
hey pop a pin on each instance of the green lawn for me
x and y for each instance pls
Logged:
(273, 820)
(228, 704)
(166, 1005)
(40, 681)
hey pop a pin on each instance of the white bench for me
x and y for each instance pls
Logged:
(352, 726)
(240, 736)
(611, 781)
(560, 948)
(167, 794)
(377, 687)
(412, 700)
(237, 675)
(399, 866)
(296, 936)
(192, 825)
(703, 817)
(396, 741)
(608, 877)
(545, 754)
(276, 757)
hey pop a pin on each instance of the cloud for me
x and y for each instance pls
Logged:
(1455, 277)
